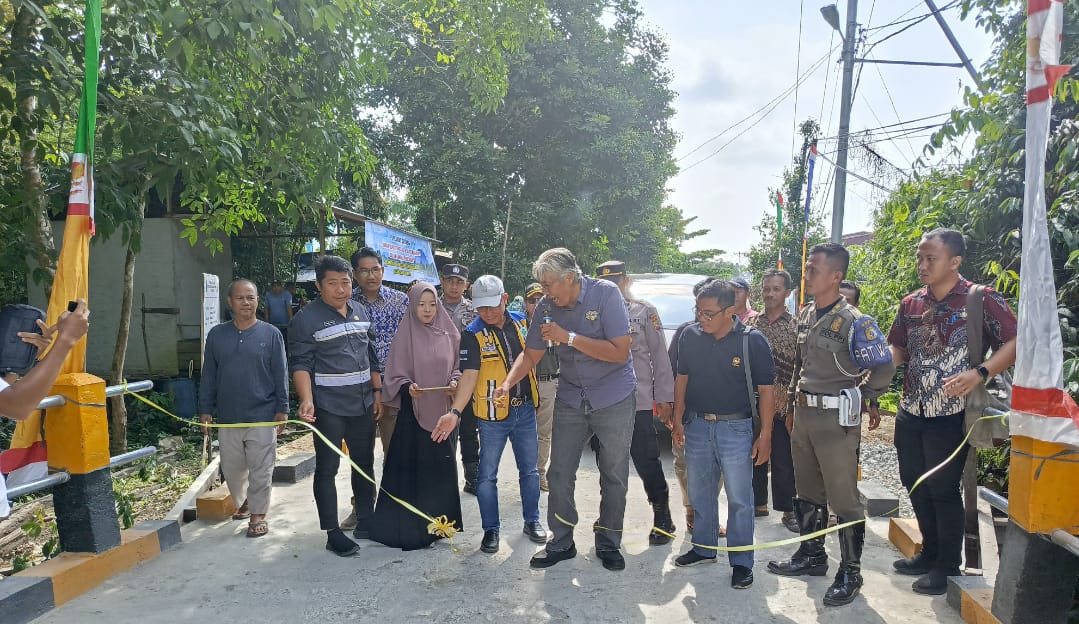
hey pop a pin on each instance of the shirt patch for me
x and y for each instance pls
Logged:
(656, 324)
(837, 323)
(736, 361)
(592, 315)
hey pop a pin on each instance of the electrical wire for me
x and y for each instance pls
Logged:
(767, 108)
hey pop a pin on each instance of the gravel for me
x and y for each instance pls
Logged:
(880, 465)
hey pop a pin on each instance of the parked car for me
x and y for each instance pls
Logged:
(671, 293)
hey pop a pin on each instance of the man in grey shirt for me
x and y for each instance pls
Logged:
(245, 379)
(596, 395)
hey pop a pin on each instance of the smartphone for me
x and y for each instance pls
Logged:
(71, 305)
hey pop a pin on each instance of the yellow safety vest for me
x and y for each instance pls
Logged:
(494, 367)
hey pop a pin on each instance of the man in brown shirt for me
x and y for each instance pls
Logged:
(778, 326)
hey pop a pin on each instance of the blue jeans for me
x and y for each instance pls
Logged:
(717, 450)
(520, 429)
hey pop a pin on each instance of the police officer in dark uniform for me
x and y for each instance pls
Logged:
(828, 387)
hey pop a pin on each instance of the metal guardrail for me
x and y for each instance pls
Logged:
(57, 400)
(130, 456)
(58, 478)
(1061, 538)
(49, 481)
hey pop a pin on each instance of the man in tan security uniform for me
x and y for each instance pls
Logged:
(655, 384)
(830, 364)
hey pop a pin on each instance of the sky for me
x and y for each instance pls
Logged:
(727, 63)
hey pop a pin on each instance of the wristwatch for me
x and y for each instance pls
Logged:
(569, 341)
(456, 412)
(984, 372)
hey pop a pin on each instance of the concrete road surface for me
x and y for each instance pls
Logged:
(219, 575)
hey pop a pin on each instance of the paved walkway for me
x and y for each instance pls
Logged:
(218, 575)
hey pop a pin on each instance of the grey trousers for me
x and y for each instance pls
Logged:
(544, 422)
(573, 426)
(247, 460)
(825, 458)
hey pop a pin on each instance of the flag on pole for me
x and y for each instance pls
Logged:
(779, 230)
(26, 459)
(805, 230)
(1040, 407)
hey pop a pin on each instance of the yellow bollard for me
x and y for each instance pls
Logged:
(77, 440)
(1043, 480)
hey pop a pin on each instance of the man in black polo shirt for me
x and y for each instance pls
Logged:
(713, 418)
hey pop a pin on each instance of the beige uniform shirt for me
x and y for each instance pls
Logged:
(651, 364)
(822, 361)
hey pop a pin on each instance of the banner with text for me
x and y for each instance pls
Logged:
(407, 257)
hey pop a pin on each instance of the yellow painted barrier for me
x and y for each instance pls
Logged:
(77, 433)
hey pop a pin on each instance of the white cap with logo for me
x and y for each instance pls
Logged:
(487, 291)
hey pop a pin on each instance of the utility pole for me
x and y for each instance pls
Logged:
(850, 41)
(955, 45)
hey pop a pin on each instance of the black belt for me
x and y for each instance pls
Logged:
(718, 417)
(547, 377)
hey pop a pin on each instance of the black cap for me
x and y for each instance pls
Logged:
(610, 269)
(455, 270)
(740, 282)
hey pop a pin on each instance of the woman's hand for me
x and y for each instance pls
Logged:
(453, 388)
(414, 391)
(445, 426)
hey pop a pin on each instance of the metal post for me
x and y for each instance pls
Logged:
(955, 44)
(849, 43)
(506, 239)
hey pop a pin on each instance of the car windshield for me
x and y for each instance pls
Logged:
(674, 302)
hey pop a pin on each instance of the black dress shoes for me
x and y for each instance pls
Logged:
(490, 541)
(612, 559)
(536, 532)
(547, 558)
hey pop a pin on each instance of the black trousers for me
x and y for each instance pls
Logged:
(644, 451)
(782, 468)
(922, 443)
(469, 436)
(359, 433)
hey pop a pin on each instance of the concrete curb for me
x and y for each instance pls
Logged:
(294, 468)
(184, 509)
(37, 590)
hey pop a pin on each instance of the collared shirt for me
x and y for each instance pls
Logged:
(339, 354)
(716, 370)
(823, 362)
(385, 313)
(934, 335)
(506, 335)
(651, 364)
(462, 312)
(598, 313)
(782, 335)
(748, 314)
(244, 375)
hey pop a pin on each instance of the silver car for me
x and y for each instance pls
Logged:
(671, 293)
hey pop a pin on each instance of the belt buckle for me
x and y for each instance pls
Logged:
(709, 417)
(517, 402)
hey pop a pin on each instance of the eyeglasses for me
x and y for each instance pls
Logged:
(532, 300)
(707, 314)
(368, 272)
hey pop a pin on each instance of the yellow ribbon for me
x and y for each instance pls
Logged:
(440, 526)
(822, 532)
